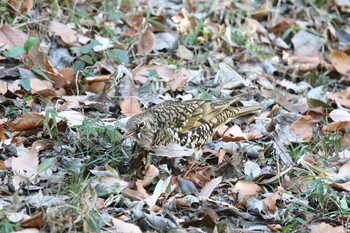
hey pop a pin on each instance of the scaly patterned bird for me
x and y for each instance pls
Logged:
(187, 123)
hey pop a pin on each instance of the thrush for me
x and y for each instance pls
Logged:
(187, 123)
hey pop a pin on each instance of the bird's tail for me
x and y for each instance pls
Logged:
(241, 111)
(233, 112)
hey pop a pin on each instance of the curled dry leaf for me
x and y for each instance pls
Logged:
(146, 42)
(130, 106)
(316, 114)
(68, 35)
(340, 61)
(336, 126)
(302, 129)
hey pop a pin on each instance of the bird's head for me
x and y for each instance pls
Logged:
(142, 128)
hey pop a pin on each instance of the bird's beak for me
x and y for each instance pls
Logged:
(128, 134)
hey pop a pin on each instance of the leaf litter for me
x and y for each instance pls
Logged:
(72, 74)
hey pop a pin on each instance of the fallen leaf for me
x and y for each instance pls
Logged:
(41, 87)
(184, 53)
(35, 221)
(151, 173)
(12, 36)
(325, 227)
(247, 188)
(130, 106)
(124, 227)
(180, 80)
(233, 133)
(302, 129)
(339, 115)
(146, 43)
(27, 121)
(336, 126)
(271, 200)
(342, 97)
(68, 35)
(340, 61)
(26, 165)
(72, 117)
(200, 176)
(316, 114)
(165, 73)
(160, 188)
(209, 187)
(173, 150)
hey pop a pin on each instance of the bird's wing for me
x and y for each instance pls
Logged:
(185, 115)
(204, 111)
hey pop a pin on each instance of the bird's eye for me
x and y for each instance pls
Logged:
(142, 124)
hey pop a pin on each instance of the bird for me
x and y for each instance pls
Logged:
(189, 124)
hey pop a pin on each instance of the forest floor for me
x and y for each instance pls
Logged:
(73, 72)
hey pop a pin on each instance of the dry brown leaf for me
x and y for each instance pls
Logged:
(3, 87)
(325, 227)
(344, 186)
(146, 42)
(26, 165)
(200, 176)
(184, 53)
(41, 87)
(73, 117)
(185, 22)
(130, 106)
(2, 134)
(35, 221)
(340, 61)
(27, 121)
(124, 227)
(68, 35)
(141, 189)
(302, 129)
(11, 36)
(180, 80)
(336, 126)
(339, 115)
(271, 200)
(66, 76)
(342, 97)
(151, 173)
(316, 114)
(247, 188)
(98, 87)
(233, 133)
(165, 73)
(209, 187)
(345, 169)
